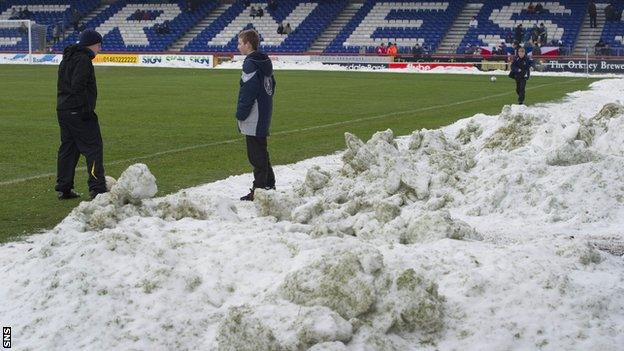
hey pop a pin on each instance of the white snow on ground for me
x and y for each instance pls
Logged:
(495, 233)
(318, 66)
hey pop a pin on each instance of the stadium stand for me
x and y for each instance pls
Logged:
(402, 22)
(405, 23)
(307, 20)
(124, 34)
(498, 18)
(46, 13)
(613, 32)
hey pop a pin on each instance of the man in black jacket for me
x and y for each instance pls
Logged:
(255, 108)
(80, 130)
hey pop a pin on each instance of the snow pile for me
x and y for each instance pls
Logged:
(131, 195)
(496, 232)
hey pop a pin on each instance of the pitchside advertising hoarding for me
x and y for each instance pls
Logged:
(173, 61)
(180, 61)
(615, 66)
(582, 66)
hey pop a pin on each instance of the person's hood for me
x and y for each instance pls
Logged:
(262, 61)
(77, 50)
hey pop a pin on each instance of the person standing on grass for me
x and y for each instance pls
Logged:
(254, 109)
(520, 71)
(80, 130)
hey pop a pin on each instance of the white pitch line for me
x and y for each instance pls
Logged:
(286, 132)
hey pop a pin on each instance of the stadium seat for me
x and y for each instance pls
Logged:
(498, 18)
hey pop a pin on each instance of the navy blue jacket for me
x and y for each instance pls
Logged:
(255, 97)
(520, 68)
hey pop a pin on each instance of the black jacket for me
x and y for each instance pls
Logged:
(76, 87)
(520, 68)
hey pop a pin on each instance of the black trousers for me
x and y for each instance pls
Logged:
(258, 156)
(592, 21)
(80, 134)
(520, 87)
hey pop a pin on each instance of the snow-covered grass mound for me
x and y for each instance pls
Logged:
(497, 232)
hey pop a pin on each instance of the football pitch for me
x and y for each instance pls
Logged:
(180, 122)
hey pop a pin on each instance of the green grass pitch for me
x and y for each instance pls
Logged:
(180, 123)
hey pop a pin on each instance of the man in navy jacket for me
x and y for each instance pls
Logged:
(254, 109)
(521, 71)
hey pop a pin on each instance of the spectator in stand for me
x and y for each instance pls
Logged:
(166, 27)
(509, 37)
(58, 31)
(417, 51)
(515, 46)
(252, 12)
(602, 48)
(392, 50)
(474, 23)
(527, 36)
(563, 50)
(528, 47)
(26, 13)
(146, 16)
(287, 29)
(519, 33)
(609, 11)
(260, 12)
(382, 50)
(535, 32)
(539, 8)
(280, 28)
(75, 19)
(537, 49)
(494, 50)
(14, 14)
(543, 33)
(531, 8)
(502, 49)
(593, 13)
(23, 30)
(272, 5)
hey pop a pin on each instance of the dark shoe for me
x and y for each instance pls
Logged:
(94, 193)
(68, 195)
(248, 197)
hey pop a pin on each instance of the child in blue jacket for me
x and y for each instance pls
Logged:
(254, 109)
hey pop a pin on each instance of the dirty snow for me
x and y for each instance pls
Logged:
(494, 233)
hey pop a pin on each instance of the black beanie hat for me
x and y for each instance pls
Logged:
(89, 37)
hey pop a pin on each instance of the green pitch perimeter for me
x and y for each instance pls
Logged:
(180, 123)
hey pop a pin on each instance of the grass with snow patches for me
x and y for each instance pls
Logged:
(180, 123)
